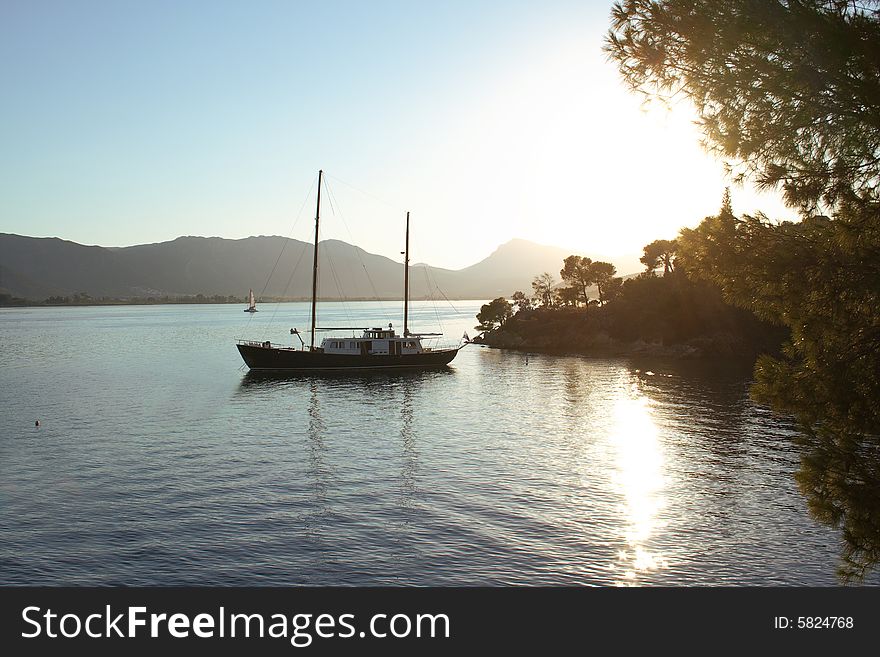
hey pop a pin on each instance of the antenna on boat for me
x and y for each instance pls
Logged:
(406, 282)
(315, 262)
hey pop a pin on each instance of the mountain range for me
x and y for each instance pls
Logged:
(274, 267)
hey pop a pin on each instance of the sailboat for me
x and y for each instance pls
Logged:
(376, 347)
(252, 304)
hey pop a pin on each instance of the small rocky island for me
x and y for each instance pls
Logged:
(664, 311)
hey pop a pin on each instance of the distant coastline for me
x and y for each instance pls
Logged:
(8, 301)
(43, 269)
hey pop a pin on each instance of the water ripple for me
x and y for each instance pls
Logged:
(159, 462)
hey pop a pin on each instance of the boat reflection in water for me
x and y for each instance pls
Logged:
(408, 441)
(366, 380)
(317, 467)
(331, 439)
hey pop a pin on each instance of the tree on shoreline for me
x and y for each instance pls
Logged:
(494, 314)
(521, 301)
(786, 91)
(660, 253)
(567, 297)
(581, 273)
(577, 272)
(602, 274)
(543, 287)
(789, 92)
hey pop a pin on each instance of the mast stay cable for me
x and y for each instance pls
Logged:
(278, 259)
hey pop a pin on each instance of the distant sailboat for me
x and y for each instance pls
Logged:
(252, 304)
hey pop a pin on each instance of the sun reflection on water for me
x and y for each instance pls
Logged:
(638, 477)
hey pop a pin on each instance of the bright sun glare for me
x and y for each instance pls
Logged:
(639, 478)
(560, 152)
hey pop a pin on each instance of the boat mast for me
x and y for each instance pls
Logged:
(406, 282)
(315, 262)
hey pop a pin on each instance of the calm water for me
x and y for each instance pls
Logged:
(160, 460)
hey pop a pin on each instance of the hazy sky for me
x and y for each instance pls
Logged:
(132, 122)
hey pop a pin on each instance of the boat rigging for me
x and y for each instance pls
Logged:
(375, 348)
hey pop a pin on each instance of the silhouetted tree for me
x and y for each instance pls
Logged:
(543, 287)
(840, 478)
(493, 314)
(521, 301)
(602, 273)
(612, 289)
(787, 89)
(577, 273)
(567, 296)
(726, 204)
(659, 253)
(820, 278)
(790, 89)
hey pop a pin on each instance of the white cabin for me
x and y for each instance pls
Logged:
(378, 341)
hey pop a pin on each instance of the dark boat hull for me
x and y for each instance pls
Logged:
(259, 357)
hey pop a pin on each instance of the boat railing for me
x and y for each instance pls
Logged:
(266, 344)
(436, 343)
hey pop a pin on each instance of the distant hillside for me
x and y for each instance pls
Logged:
(514, 264)
(36, 268)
